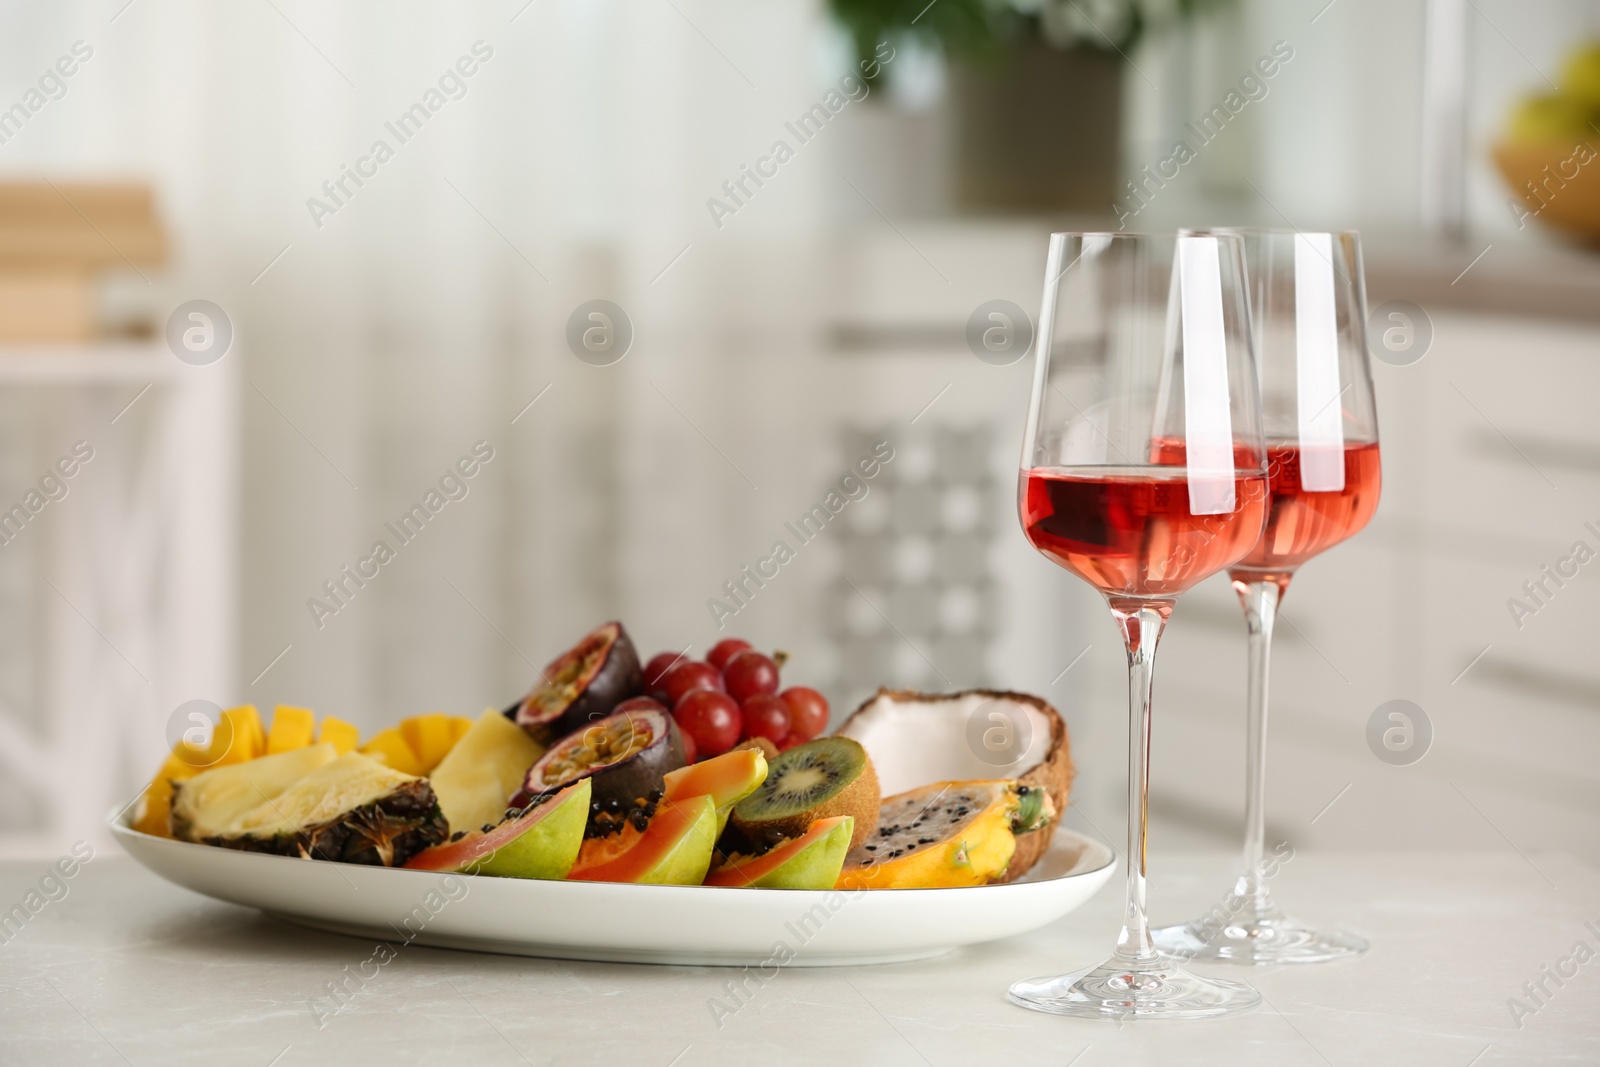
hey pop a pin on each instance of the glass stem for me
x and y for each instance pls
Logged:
(1260, 599)
(1141, 622)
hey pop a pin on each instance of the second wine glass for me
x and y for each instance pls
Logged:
(1308, 315)
(1143, 473)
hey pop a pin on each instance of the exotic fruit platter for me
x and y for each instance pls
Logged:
(635, 811)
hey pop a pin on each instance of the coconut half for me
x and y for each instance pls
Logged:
(916, 739)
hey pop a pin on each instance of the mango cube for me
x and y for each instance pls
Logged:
(389, 747)
(345, 737)
(292, 728)
(430, 737)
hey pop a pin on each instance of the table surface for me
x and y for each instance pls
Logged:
(126, 969)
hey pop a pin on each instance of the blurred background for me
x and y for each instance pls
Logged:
(384, 310)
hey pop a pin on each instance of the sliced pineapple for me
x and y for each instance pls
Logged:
(292, 728)
(205, 805)
(345, 737)
(483, 770)
(353, 810)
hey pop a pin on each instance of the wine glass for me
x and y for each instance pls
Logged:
(1143, 472)
(1308, 312)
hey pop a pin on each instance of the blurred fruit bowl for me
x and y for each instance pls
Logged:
(1559, 182)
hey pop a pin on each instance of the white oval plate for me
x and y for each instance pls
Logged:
(632, 923)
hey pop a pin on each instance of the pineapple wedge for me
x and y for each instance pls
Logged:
(207, 803)
(292, 728)
(482, 771)
(353, 810)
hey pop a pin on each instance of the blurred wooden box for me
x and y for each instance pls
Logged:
(55, 239)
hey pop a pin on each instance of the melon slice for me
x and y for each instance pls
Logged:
(726, 779)
(916, 739)
(675, 849)
(483, 769)
(541, 841)
(811, 861)
(208, 803)
(292, 728)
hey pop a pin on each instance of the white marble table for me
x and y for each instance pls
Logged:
(126, 969)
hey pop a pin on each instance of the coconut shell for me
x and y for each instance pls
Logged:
(1053, 774)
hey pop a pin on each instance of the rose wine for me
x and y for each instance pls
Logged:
(1300, 523)
(1128, 531)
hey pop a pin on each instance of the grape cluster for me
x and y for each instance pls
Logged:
(731, 696)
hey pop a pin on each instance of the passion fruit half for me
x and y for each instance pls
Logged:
(582, 685)
(625, 756)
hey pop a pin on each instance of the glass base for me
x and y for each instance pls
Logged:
(1159, 989)
(1264, 940)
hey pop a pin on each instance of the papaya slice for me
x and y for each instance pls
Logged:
(726, 779)
(674, 849)
(541, 841)
(811, 861)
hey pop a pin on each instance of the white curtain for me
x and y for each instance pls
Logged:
(378, 343)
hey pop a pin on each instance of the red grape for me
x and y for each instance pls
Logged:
(691, 675)
(808, 712)
(725, 650)
(766, 716)
(712, 718)
(749, 673)
(656, 669)
(690, 754)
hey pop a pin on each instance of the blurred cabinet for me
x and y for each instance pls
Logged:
(119, 578)
(1491, 462)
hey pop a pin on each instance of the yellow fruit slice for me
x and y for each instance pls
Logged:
(344, 736)
(389, 747)
(205, 805)
(153, 818)
(292, 728)
(459, 725)
(478, 777)
(238, 738)
(943, 835)
(430, 738)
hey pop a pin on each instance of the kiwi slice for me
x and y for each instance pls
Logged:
(817, 780)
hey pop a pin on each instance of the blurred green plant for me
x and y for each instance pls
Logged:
(984, 30)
